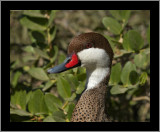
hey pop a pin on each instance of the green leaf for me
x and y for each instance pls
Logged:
(142, 60)
(55, 53)
(126, 44)
(63, 88)
(71, 98)
(32, 23)
(126, 72)
(33, 13)
(36, 103)
(121, 14)
(52, 33)
(73, 80)
(52, 102)
(80, 88)
(38, 73)
(117, 90)
(41, 53)
(59, 116)
(29, 49)
(20, 112)
(70, 110)
(28, 96)
(61, 58)
(133, 77)
(16, 76)
(111, 41)
(49, 119)
(38, 36)
(115, 78)
(52, 16)
(19, 99)
(112, 25)
(48, 84)
(143, 78)
(135, 40)
(148, 34)
(29, 57)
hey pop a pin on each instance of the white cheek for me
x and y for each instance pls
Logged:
(97, 64)
(94, 57)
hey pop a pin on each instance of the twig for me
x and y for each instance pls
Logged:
(141, 98)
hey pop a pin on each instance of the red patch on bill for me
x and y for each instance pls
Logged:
(74, 61)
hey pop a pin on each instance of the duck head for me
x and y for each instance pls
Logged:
(90, 50)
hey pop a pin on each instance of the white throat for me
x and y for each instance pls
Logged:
(97, 64)
(95, 77)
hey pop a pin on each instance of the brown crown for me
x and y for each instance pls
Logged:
(81, 41)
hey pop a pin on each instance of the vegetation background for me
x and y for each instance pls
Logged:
(39, 40)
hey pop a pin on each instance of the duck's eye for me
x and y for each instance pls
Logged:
(88, 45)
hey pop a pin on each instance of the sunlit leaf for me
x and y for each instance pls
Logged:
(111, 41)
(72, 80)
(120, 14)
(29, 49)
(112, 25)
(63, 88)
(33, 13)
(143, 78)
(20, 112)
(61, 58)
(70, 110)
(15, 78)
(52, 16)
(34, 23)
(142, 60)
(41, 53)
(118, 90)
(126, 72)
(29, 57)
(59, 116)
(73, 96)
(48, 84)
(81, 76)
(38, 73)
(55, 53)
(53, 33)
(28, 96)
(19, 99)
(49, 119)
(126, 44)
(135, 40)
(115, 74)
(52, 102)
(80, 88)
(36, 103)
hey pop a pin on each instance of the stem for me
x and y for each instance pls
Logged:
(49, 41)
(141, 98)
(65, 104)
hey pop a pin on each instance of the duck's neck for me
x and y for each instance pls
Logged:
(91, 105)
(95, 76)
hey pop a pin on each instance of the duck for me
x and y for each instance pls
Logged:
(92, 51)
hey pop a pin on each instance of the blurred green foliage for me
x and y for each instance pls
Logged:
(39, 40)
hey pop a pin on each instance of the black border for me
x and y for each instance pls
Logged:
(6, 6)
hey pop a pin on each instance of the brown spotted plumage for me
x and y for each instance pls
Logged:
(91, 105)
